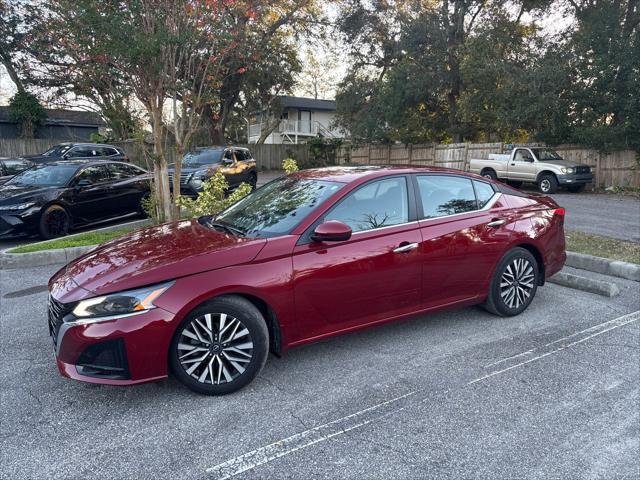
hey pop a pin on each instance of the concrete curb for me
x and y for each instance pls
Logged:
(607, 289)
(614, 268)
(58, 256)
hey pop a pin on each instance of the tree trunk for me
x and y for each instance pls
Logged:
(11, 71)
(177, 170)
(160, 172)
(271, 126)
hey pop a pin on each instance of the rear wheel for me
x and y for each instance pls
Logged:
(489, 173)
(220, 347)
(576, 188)
(54, 222)
(514, 283)
(548, 183)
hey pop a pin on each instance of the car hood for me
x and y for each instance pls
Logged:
(149, 256)
(11, 193)
(563, 163)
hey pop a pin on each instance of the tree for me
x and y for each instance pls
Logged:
(16, 17)
(25, 109)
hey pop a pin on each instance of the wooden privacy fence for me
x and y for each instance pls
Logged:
(620, 168)
(268, 157)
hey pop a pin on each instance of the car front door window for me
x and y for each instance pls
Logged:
(382, 203)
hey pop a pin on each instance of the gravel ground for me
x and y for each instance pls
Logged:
(552, 393)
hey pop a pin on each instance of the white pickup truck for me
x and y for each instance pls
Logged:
(542, 166)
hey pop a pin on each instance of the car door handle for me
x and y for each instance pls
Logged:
(496, 222)
(405, 248)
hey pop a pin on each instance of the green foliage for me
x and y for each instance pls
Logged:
(151, 206)
(213, 199)
(289, 165)
(26, 110)
(79, 240)
(421, 74)
(323, 151)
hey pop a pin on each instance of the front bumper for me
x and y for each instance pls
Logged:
(575, 179)
(126, 350)
(18, 223)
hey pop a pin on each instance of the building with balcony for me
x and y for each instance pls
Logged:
(301, 119)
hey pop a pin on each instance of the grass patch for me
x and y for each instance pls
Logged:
(603, 247)
(80, 240)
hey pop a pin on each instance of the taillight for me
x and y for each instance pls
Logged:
(559, 211)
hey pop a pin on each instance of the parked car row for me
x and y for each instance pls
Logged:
(72, 185)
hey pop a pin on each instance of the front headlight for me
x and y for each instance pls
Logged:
(567, 170)
(18, 206)
(120, 303)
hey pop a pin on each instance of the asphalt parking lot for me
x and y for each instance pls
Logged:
(460, 394)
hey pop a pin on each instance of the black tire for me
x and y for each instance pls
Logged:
(54, 222)
(576, 188)
(253, 180)
(249, 318)
(489, 173)
(496, 302)
(548, 183)
(514, 183)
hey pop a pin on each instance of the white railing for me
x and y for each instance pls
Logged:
(294, 127)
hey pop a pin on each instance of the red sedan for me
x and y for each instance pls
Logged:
(305, 257)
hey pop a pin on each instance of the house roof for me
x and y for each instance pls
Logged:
(57, 116)
(307, 103)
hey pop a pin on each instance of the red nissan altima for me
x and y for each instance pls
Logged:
(307, 256)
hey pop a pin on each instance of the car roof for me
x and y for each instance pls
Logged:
(84, 144)
(348, 174)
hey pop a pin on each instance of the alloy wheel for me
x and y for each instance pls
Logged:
(56, 222)
(215, 348)
(516, 283)
(545, 185)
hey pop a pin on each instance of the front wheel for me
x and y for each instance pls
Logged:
(548, 184)
(514, 283)
(54, 222)
(220, 347)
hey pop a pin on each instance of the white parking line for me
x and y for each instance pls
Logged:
(616, 322)
(262, 455)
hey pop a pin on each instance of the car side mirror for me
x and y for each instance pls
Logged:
(227, 161)
(84, 183)
(331, 231)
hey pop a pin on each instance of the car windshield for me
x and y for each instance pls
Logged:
(274, 209)
(202, 157)
(56, 151)
(543, 154)
(45, 175)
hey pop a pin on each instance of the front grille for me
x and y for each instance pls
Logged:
(56, 314)
(583, 169)
(184, 178)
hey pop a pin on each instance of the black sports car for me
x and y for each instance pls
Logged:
(50, 199)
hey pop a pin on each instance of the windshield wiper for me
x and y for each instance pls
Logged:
(228, 228)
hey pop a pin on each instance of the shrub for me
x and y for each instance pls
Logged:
(26, 110)
(289, 165)
(213, 198)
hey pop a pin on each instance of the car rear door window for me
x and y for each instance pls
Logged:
(95, 174)
(484, 192)
(381, 203)
(120, 171)
(444, 195)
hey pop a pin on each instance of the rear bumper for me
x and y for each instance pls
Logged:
(124, 351)
(575, 179)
